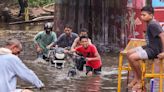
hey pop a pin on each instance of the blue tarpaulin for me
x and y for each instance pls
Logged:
(158, 3)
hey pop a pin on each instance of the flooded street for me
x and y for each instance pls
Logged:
(56, 80)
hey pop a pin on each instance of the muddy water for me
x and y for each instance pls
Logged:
(56, 80)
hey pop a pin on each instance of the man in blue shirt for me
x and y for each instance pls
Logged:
(11, 67)
(67, 38)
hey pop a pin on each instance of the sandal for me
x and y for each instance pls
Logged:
(132, 83)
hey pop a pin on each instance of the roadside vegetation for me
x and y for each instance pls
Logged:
(37, 3)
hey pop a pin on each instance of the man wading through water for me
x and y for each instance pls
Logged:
(44, 40)
(12, 67)
(93, 59)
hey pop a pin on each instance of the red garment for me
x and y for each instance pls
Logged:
(89, 52)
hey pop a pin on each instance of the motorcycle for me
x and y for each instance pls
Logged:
(78, 63)
(56, 57)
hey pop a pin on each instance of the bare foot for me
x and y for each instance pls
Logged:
(161, 55)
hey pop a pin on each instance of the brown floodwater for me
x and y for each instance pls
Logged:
(56, 80)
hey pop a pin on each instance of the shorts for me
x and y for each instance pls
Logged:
(95, 71)
(141, 52)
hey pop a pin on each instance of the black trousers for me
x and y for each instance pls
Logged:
(23, 5)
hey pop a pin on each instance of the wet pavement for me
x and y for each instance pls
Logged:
(56, 80)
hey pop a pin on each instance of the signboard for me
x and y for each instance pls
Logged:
(158, 3)
(130, 3)
(137, 4)
(159, 14)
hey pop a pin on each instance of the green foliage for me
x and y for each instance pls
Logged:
(37, 3)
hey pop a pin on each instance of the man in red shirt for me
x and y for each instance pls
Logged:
(93, 59)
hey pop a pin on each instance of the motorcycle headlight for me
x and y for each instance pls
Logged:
(60, 55)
